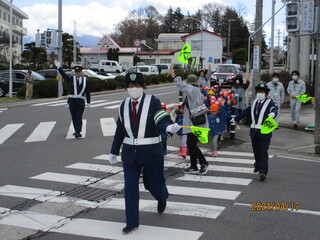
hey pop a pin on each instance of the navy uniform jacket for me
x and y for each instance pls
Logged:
(79, 87)
(255, 132)
(141, 154)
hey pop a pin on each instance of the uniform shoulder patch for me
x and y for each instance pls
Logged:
(159, 115)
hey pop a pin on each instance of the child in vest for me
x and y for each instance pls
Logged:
(216, 127)
(182, 138)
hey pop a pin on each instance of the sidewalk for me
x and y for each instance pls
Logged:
(285, 140)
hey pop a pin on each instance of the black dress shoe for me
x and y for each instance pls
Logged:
(255, 170)
(161, 206)
(78, 135)
(128, 230)
(262, 177)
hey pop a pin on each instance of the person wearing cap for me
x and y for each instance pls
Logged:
(295, 88)
(216, 128)
(260, 109)
(79, 89)
(276, 93)
(29, 85)
(193, 99)
(140, 122)
(204, 79)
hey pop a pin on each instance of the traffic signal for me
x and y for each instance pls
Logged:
(293, 17)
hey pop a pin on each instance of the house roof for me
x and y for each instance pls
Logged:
(193, 33)
(157, 52)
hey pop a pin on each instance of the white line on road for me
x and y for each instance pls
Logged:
(48, 103)
(41, 132)
(93, 228)
(213, 179)
(95, 167)
(71, 130)
(300, 159)
(8, 130)
(66, 178)
(108, 126)
(103, 104)
(113, 106)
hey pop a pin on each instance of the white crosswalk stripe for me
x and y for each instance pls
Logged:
(41, 132)
(3, 109)
(108, 126)
(178, 186)
(8, 130)
(71, 130)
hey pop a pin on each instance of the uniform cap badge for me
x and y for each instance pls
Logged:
(133, 76)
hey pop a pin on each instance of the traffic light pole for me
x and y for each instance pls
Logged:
(60, 89)
(317, 83)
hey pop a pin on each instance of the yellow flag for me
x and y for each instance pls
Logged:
(303, 98)
(268, 125)
(184, 53)
(201, 133)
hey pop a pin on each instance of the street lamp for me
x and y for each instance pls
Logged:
(201, 25)
(10, 52)
(229, 30)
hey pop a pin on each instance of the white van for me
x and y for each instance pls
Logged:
(145, 70)
(109, 66)
(163, 67)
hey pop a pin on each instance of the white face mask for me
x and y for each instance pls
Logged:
(261, 96)
(275, 80)
(237, 81)
(135, 92)
(295, 78)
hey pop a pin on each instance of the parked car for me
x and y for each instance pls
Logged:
(225, 74)
(146, 70)
(90, 73)
(18, 80)
(163, 67)
(50, 73)
(109, 66)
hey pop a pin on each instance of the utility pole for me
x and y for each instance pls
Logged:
(272, 37)
(75, 43)
(10, 53)
(317, 83)
(60, 89)
(258, 42)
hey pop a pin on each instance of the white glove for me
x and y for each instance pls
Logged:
(56, 62)
(88, 105)
(232, 120)
(173, 128)
(112, 159)
(272, 115)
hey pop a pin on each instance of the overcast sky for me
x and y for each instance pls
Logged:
(98, 17)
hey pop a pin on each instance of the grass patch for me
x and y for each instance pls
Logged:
(7, 99)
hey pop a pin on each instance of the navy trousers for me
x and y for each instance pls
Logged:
(260, 148)
(154, 182)
(76, 107)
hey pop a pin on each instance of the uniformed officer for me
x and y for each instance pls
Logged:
(140, 123)
(78, 87)
(261, 108)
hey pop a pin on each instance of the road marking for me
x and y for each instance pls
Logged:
(300, 159)
(66, 178)
(179, 208)
(214, 179)
(216, 159)
(3, 109)
(48, 103)
(224, 168)
(194, 192)
(113, 107)
(8, 130)
(26, 192)
(108, 126)
(71, 130)
(59, 104)
(93, 228)
(105, 103)
(41, 132)
(317, 213)
(95, 167)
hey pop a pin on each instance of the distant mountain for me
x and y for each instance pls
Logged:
(84, 41)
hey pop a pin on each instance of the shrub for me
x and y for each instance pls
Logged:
(45, 88)
(96, 84)
(110, 84)
(120, 81)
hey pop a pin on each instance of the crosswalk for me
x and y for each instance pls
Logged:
(43, 130)
(3, 109)
(94, 104)
(230, 170)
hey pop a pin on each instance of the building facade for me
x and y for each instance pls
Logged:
(18, 31)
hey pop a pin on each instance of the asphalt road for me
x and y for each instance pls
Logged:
(39, 165)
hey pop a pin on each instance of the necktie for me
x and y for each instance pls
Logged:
(259, 106)
(134, 114)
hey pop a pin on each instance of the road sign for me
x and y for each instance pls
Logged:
(256, 58)
(137, 42)
(307, 15)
